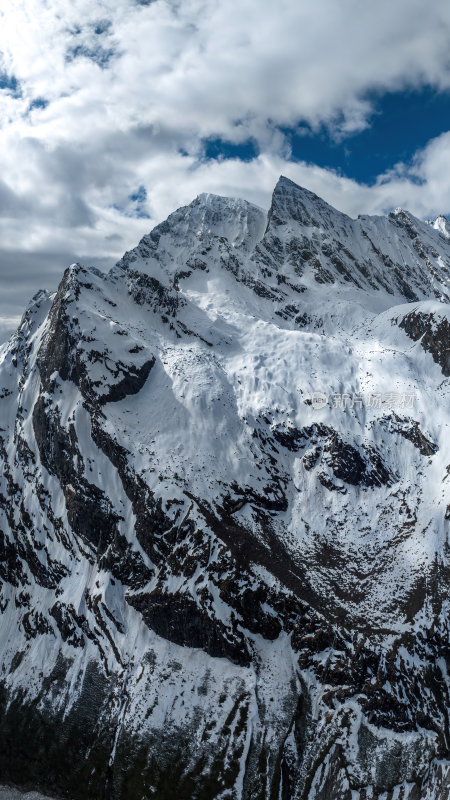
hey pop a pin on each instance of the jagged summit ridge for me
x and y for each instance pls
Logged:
(289, 200)
(302, 240)
(442, 224)
(191, 230)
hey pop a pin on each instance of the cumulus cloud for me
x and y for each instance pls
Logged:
(105, 108)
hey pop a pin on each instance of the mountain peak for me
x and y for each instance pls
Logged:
(286, 185)
(442, 224)
(302, 235)
(293, 202)
(185, 236)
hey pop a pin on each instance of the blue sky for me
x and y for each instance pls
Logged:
(400, 125)
(115, 112)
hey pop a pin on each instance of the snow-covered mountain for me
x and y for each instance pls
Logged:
(224, 513)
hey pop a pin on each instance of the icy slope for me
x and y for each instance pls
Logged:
(224, 513)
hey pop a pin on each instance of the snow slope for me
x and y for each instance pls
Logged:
(224, 513)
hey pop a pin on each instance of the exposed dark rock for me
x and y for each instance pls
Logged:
(434, 336)
(179, 619)
(125, 563)
(132, 382)
(89, 511)
(409, 429)
(348, 465)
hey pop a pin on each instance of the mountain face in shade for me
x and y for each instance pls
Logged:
(224, 513)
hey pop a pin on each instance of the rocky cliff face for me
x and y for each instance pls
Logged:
(224, 510)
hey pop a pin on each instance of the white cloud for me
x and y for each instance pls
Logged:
(201, 67)
(132, 90)
(7, 325)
